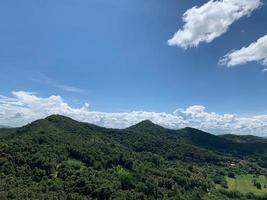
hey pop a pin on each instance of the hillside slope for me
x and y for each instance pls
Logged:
(60, 158)
(244, 138)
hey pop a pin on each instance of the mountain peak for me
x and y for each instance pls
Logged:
(52, 120)
(56, 118)
(147, 121)
(146, 125)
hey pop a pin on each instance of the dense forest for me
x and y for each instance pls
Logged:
(60, 158)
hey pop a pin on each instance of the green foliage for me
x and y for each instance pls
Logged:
(231, 175)
(59, 158)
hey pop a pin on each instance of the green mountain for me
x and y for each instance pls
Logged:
(7, 131)
(244, 138)
(60, 158)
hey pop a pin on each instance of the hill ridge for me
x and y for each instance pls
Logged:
(60, 157)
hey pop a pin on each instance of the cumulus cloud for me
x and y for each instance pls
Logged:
(257, 51)
(211, 20)
(24, 107)
(197, 116)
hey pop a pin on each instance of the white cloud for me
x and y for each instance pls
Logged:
(25, 107)
(198, 117)
(256, 51)
(211, 20)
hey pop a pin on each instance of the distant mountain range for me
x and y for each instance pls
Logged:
(2, 126)
(244, 138)
(60, 158)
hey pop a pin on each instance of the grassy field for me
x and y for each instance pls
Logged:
(244, 184)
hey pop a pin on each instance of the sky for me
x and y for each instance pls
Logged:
(114, 63)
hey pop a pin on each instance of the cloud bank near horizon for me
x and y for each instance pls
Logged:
(211, 20)
(25, 107)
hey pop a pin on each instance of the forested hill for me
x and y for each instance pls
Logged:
(244, 138)
(60, 158)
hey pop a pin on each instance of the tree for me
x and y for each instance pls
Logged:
(231, 175)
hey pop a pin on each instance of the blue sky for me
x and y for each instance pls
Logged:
(114, 55)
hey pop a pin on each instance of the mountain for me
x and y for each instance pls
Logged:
(5, 130)
(2, 126)
(223, 144)
(146, 126)
(244, 138)
(60, 158)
